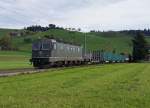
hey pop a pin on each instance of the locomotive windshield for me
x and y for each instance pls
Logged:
(36, 46)
(41, 46)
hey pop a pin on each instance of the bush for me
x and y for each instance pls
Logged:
(28, 40)
(5, 43)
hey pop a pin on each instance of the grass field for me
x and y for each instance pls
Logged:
(101, 86)
(14, 65)
(14, 60)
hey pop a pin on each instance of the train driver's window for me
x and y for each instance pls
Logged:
(74, 49)
(45, 46)
(61, 47)
(68, 48)
(78, 49)
(55, 46)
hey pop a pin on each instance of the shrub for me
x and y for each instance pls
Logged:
(28, 40)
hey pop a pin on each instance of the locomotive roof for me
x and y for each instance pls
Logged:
(60, 41)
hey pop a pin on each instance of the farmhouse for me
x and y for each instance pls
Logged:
(15, 34)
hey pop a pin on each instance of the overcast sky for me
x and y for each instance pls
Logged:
(87, 14)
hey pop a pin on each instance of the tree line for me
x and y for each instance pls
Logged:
(145, 32)
(39, 28)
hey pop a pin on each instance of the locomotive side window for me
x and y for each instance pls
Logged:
(46, 46)
(55, 47)
(61, 47)
(73, 49)
(78, 49)
(68, 48)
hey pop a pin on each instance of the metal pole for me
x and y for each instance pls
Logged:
(85, 45)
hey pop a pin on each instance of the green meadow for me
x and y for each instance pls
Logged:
(14, 60)
(98, 86)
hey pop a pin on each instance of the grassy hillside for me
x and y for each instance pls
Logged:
(4, 32)
(120, 43)
(106, 41)
(107, 86)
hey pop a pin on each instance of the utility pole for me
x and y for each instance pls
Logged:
(85, 44)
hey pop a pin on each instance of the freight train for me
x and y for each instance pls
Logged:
(50, 52)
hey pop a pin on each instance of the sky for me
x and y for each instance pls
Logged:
(85, 14)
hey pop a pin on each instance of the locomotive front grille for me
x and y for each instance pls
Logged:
(38, 54)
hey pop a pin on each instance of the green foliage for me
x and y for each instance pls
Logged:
(107, 86)
(5, 42)
(139, 47)
(28, 39)
(4, 32)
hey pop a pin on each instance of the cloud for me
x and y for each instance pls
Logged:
(87, 14)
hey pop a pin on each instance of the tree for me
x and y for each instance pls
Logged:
(52, 26)
(5, 43)
(79, 29)
(28, 40)
(139, 47)
(130, 58)
(114, 51)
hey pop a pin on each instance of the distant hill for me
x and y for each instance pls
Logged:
(108, 41)
(4, 32)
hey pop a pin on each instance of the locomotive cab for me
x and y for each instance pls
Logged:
(41, 51)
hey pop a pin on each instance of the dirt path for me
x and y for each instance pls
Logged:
(14, 72)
